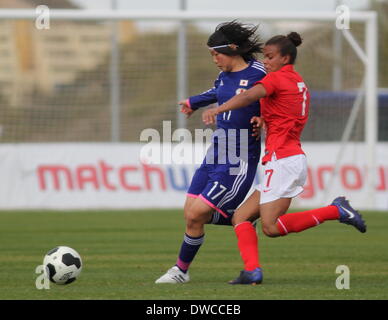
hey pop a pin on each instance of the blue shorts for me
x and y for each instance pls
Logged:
(220, 189)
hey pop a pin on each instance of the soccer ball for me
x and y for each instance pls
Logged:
(62, 265)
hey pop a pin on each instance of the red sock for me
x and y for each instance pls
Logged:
(247, 243)
(299, 221)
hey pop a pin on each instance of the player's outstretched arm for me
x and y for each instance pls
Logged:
(239, 101)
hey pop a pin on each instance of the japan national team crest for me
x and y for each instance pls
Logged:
(239, 90)
(243, 83)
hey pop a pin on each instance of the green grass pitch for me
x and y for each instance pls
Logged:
(125, 251)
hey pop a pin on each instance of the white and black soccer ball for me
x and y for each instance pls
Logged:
(62, 265)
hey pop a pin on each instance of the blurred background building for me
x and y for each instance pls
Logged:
(32, 60)
(56, 85)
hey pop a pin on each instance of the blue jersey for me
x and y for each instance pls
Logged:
(225, 87)
(213, 182)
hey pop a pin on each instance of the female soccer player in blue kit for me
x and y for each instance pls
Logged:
(222, 183)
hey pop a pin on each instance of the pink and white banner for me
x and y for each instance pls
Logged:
(98, 176)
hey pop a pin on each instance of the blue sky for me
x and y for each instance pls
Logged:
(225, 5)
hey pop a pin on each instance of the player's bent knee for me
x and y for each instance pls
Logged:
(270, 231)
(193, 218)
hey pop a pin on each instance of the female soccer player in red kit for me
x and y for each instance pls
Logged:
(284, 111)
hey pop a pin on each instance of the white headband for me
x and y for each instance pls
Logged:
(224, 46)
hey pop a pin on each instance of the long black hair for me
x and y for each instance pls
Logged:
(287, 44)
(236, 39)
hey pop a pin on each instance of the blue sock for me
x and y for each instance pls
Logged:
(189, 249)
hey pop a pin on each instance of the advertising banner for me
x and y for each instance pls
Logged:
(122, 176)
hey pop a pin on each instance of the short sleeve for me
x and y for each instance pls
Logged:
(269, 83)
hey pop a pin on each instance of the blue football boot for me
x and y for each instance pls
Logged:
(348, 215)
(249, 277)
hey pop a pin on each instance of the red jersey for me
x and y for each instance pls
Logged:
(285, 110)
